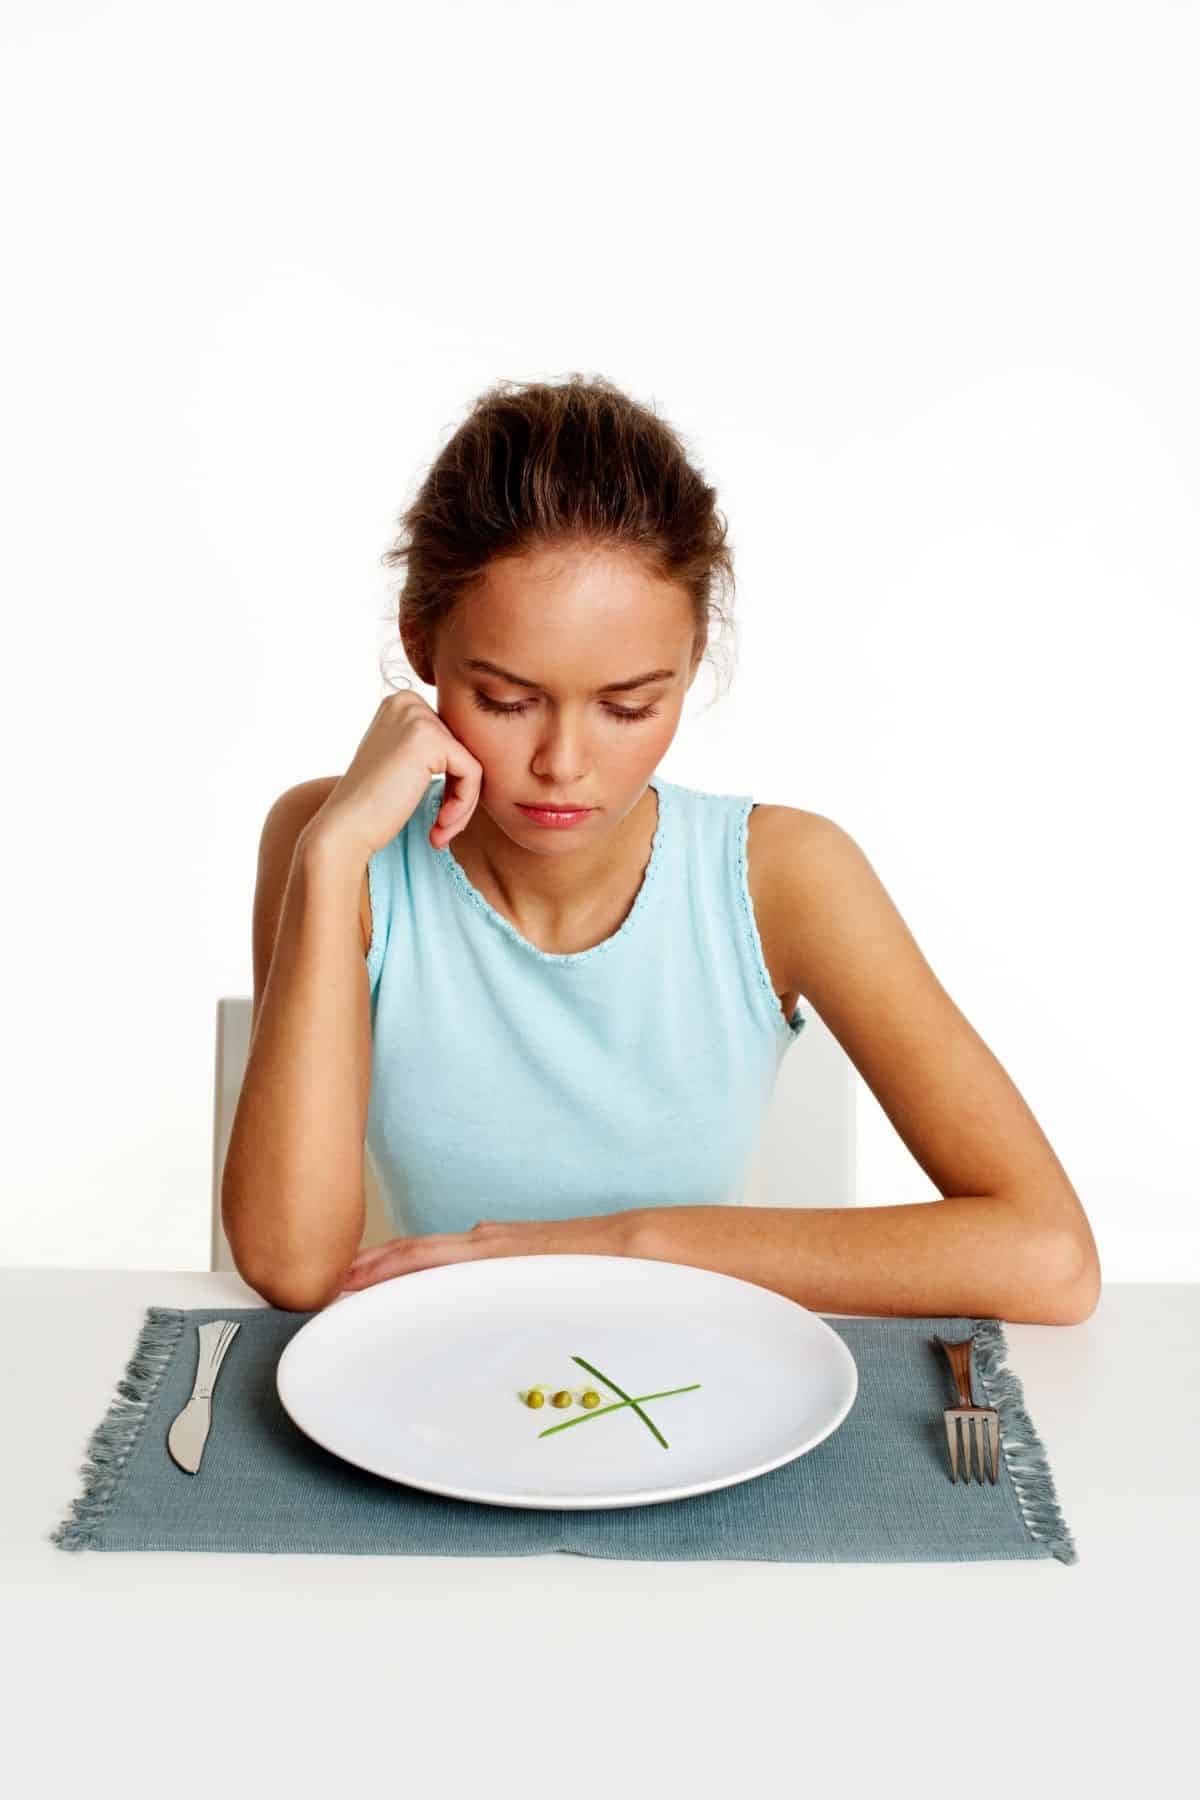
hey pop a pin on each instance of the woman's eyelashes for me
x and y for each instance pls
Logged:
(516, 707)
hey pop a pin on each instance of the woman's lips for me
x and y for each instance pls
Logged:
(556, 815)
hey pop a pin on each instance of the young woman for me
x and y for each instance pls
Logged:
(549, 988)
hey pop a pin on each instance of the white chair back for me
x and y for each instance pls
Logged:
(804, 1157)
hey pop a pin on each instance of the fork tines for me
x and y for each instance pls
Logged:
(975, 1419)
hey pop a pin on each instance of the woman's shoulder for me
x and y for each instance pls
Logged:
(778, 838)
(772, 827)
(783, 837)
(775, 833)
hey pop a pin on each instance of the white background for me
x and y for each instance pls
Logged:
(917, 285)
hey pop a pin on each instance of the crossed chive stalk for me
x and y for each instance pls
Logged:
(625, 1400)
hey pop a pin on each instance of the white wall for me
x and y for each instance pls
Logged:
(916, 283)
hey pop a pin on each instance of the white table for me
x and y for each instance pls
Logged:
(196, 1672)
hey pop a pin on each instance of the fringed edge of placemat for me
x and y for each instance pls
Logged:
(1022, 1449)
(114, 1440)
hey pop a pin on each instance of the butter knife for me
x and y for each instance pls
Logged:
(188, 1432)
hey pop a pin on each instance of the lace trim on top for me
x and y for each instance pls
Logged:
(789, 1029)
(466, 887)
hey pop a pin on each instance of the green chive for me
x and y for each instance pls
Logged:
(592, 1370)
(617, 1405)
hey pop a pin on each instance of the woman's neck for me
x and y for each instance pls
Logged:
(560, 895)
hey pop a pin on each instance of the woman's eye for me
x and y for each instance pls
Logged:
(494, 706)
(631, 712)
(515, 707)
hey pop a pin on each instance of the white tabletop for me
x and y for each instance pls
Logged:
(576, 1675)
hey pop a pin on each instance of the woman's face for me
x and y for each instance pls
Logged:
(576, 626)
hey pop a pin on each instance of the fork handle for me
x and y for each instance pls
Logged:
(959, 1357)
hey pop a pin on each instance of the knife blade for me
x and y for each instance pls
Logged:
(189, 1429)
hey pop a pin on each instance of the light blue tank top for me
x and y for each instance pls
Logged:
(508, 1082)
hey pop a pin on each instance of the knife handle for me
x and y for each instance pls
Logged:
(215, 1338)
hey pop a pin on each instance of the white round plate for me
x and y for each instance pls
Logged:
(419, 1378)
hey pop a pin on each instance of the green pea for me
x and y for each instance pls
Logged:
(535, 1397)
(590, 1398)
(562, 1398)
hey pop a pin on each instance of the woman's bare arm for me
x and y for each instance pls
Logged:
(292, 1197)
(1008, 1239)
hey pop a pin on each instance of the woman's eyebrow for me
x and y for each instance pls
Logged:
(610, 687)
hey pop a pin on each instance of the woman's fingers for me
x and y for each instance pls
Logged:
(364, 1258)
(399, 1255)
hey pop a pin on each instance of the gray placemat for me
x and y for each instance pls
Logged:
(877, 1490)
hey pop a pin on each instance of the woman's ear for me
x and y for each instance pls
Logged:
(417, 652)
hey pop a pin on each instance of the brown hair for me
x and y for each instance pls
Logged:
(536, 465)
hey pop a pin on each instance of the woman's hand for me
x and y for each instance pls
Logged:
(404, 747)
(609, 1234)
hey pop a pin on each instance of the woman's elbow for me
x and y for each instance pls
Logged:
(1081, 1289)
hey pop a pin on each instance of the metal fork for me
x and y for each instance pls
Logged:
(973, 1418)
